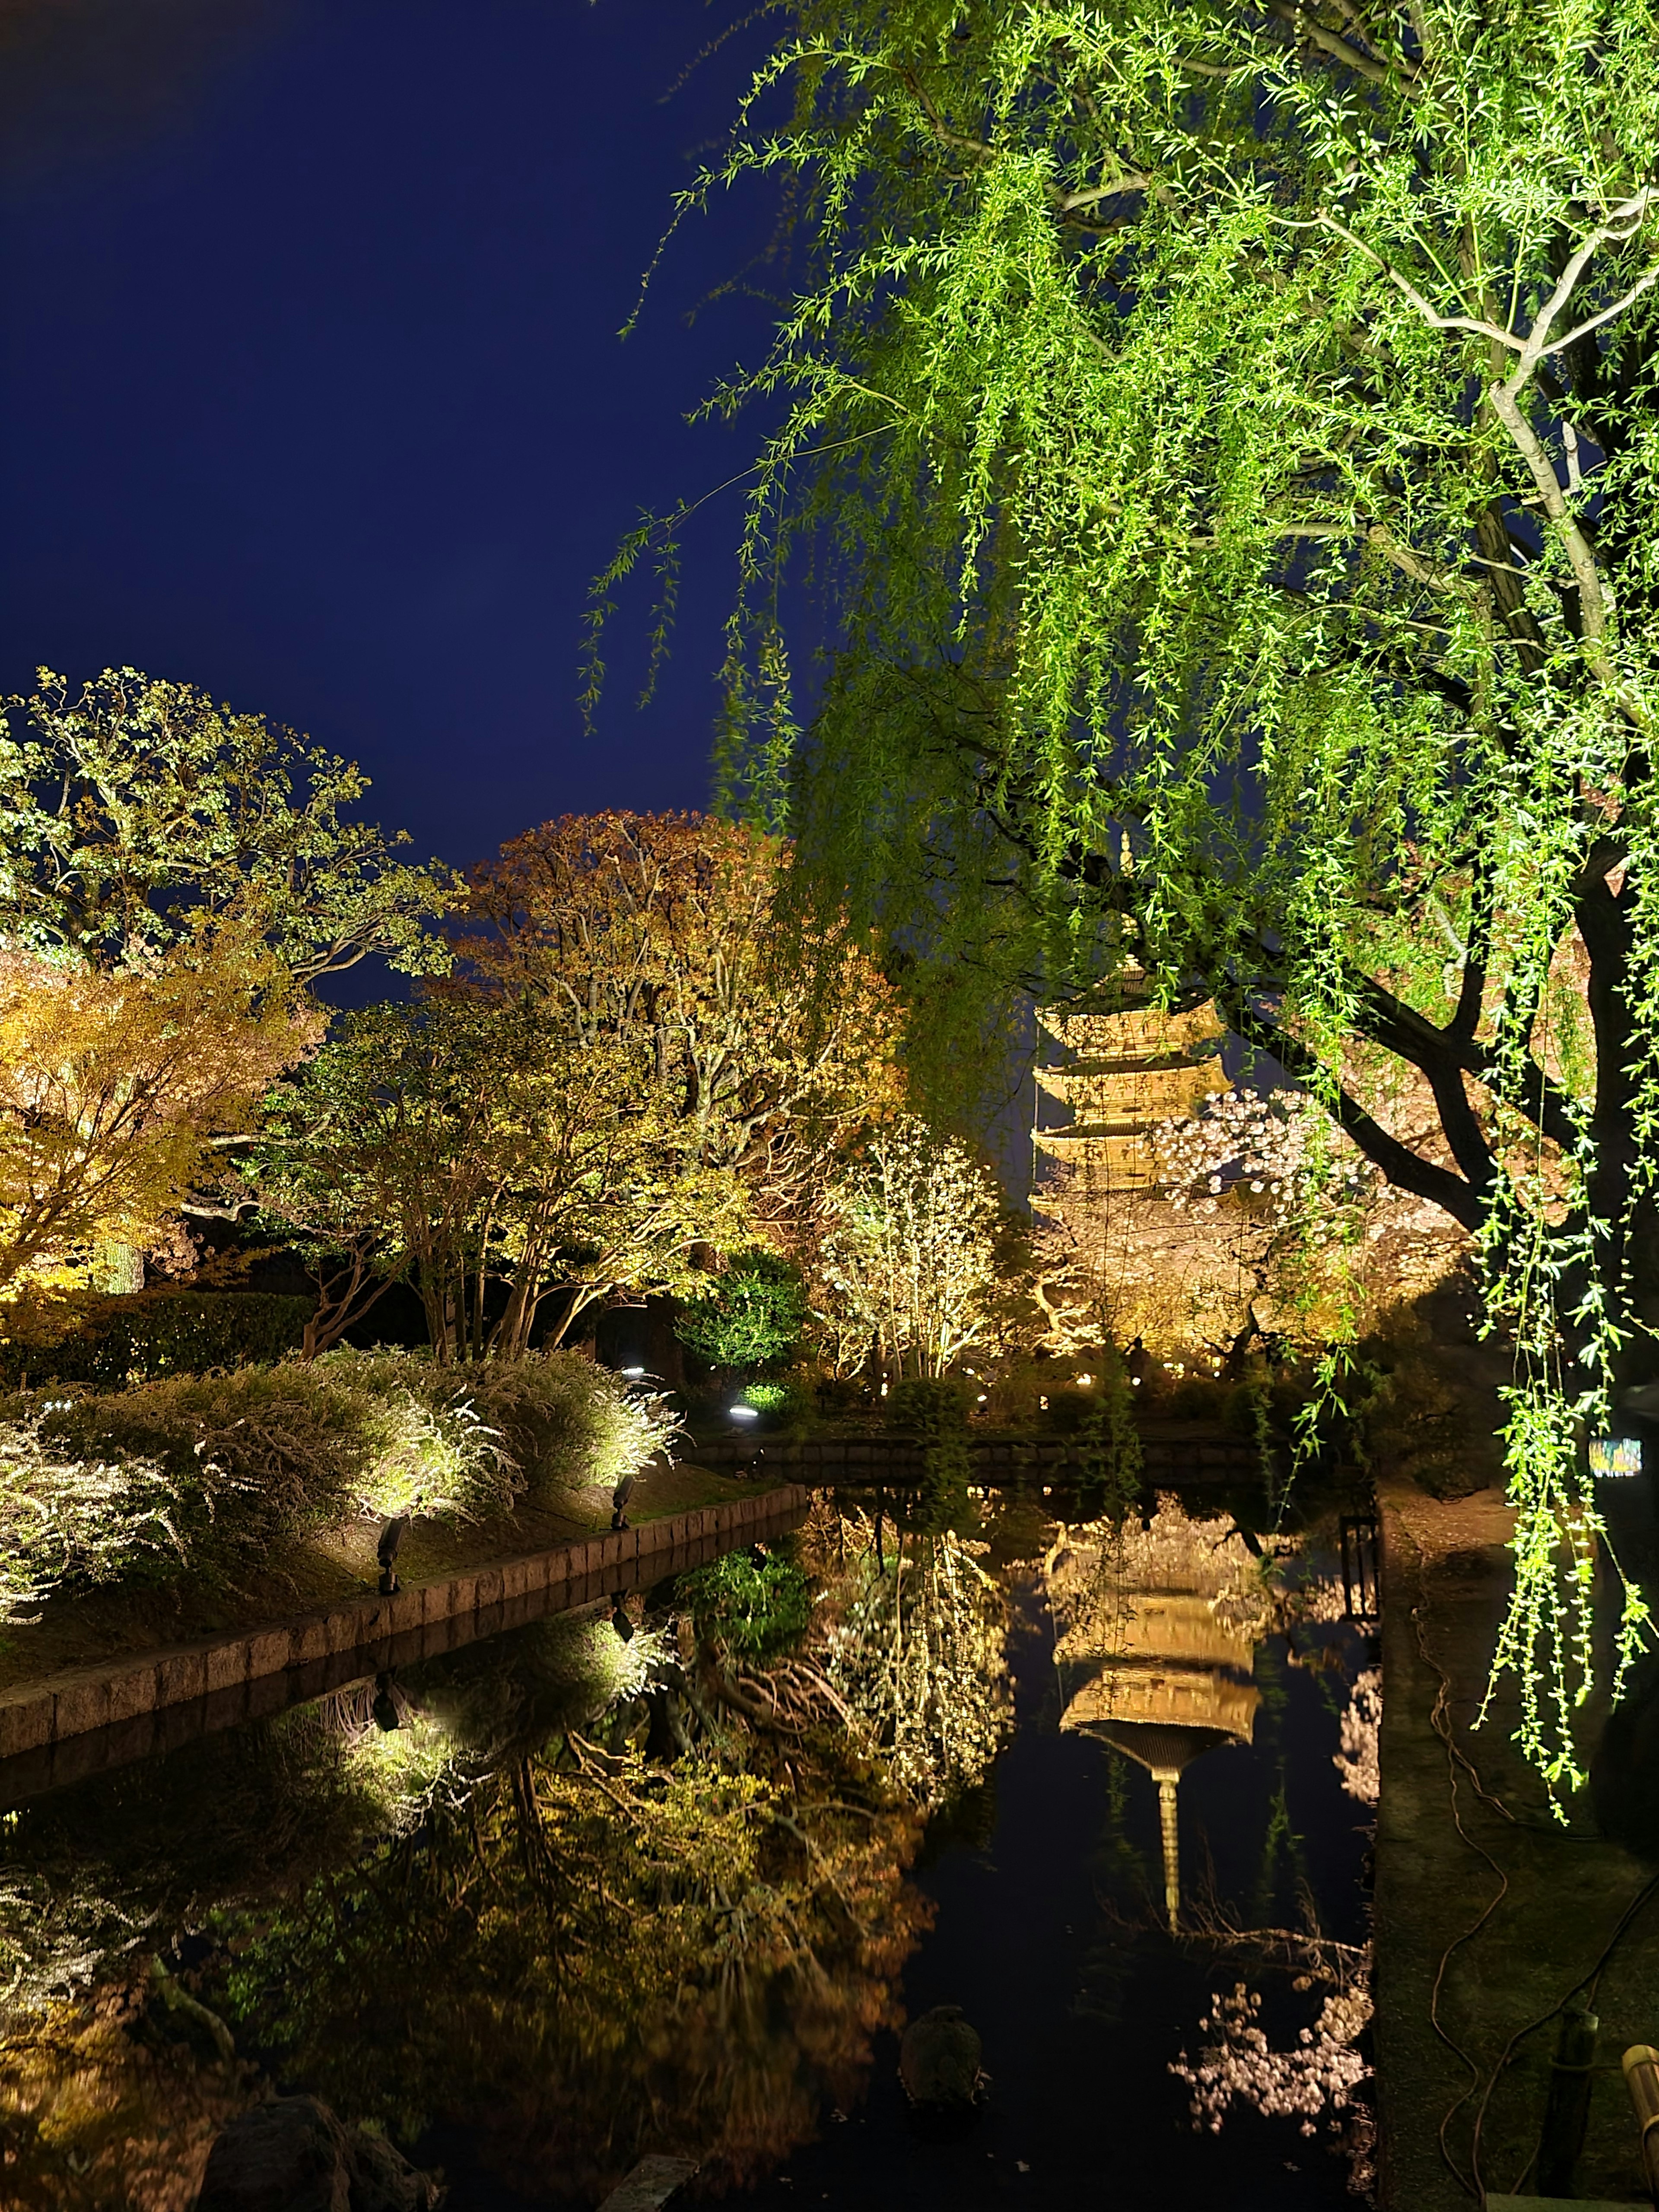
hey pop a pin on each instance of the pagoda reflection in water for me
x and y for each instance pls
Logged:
(1158, 1628)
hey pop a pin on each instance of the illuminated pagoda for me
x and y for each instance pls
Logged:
(1116, 1075)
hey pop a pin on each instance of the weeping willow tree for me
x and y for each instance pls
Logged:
(1226, 437)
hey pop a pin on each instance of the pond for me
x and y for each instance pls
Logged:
(671, 1874)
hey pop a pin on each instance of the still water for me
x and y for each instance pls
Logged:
(671, 1875)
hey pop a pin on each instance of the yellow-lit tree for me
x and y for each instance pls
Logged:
(113, 1087)
(474, 1147)
(656, 931)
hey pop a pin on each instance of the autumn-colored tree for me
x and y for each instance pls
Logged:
(475, 1147)
(656, 931)
(113, 1084)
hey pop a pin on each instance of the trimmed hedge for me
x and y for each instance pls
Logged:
(121, 1340)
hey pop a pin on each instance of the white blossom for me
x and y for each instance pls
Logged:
(1362, 1725)
(1318, 2074)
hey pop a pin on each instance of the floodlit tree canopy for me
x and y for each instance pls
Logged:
(1227, 438)
(656, 931)
(136, 811)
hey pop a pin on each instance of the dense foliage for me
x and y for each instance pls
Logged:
(211, 1475)
(753, 1313)
(113, 1084)
(655, 936)
(479, 1150)
(1230, 433)
(759, 1603)
(110, 1341)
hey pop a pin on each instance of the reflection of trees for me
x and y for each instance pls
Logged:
(98, 2109)
(590, 1952)
(915, 1647)
(587, 1897)
(109, 2093)
(105, 1873)
(590, 1957)
(1318, 2074)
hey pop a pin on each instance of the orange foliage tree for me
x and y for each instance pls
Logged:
(657, 930)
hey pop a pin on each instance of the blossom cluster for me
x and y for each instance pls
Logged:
(1319, 2073)
(1277, 1145)
(1362, 1727)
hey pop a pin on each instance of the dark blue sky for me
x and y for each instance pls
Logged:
(311, 392)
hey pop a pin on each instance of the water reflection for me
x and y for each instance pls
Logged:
(1160, 1655)
(1160, 1625)
(647, 1879)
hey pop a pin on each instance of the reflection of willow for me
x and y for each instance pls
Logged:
(915, 1649)
(1158, 1625)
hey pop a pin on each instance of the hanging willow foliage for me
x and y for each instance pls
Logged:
(1227, 438)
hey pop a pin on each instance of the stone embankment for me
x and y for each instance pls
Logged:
(68, 1725)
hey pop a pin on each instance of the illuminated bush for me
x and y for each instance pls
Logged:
(212, 1474)
(753, 1313)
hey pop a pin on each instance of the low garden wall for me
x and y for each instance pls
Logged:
(80, 1722)
(884, 1458)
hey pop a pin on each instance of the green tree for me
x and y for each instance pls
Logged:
(1233, 433)
(135, 811)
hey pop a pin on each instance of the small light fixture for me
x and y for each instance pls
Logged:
(1084, 1380)
(745, 1414)
(633, 1373)
(982, 1397)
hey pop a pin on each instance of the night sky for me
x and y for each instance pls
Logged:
(311, 390)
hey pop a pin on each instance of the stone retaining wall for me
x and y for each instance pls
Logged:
(80, 1722)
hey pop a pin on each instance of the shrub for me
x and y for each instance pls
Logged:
(1071, 1411)
(789, 1401)
(117, 1341)
(566, 1421)
(211, 1473)
(64, 1518)
(755, 1312)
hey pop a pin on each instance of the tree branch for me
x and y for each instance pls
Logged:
(1405, 1168)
